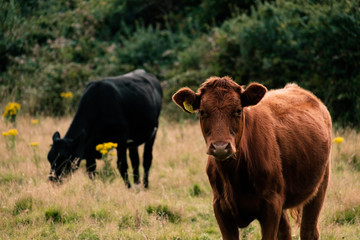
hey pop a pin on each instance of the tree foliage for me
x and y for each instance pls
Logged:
(48, 47)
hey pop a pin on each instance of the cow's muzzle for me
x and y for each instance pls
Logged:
(220, 150)
(53, 177)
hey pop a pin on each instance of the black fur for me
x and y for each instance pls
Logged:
(124, 110)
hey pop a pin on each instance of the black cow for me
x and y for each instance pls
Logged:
(124, 110)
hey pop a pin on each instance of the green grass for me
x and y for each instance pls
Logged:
(177, 205)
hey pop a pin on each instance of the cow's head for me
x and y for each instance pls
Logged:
(220, 103)
(62, 157)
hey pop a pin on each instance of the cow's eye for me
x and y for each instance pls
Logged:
(203, 114)
(237, 113)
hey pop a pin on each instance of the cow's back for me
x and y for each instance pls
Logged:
(139, 97)
(302, 128)
(129, 105)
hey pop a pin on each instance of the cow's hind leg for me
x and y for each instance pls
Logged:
(284, 232)
(122, 163)
(134, 157)
(311, 211)
(147, 159)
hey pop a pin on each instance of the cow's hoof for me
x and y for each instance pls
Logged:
(128, 185)
(146, 185)
(136, 181)
(55, 180)
(92, 175)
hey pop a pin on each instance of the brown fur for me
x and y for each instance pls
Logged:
(268, 152)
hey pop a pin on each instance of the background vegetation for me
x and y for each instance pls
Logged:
(52, 46)
(177, 205)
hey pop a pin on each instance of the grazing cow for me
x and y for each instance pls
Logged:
(268, 152)
(123, 109)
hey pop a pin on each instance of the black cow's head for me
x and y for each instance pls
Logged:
(62, 157)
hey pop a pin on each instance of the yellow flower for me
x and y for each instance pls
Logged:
(99, 147)
(103, 151)
(34, 144)
(338, 140)
(11, 109)
(66, 95)
(34, 121)
(105, 147)
(13, 132)
(5, 134)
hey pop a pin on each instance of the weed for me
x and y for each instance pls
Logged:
(348, 216)
(195, 190)
(23, 205)
(100, 215)
(127, 221)
(9, 177)
(355, 162)
(88, 234)
(53, 215)
(164, 212)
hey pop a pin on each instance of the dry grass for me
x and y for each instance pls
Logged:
(33, 208)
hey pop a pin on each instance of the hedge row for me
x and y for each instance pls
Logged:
(48, 47)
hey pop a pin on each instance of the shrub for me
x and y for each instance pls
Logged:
(291, 41)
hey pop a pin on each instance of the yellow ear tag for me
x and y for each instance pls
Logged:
(188, 107)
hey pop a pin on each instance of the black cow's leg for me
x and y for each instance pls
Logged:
(147, 159)
(91, 167)
(122, 163)
(134, 157)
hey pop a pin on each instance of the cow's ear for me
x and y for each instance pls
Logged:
(253, 94)
(187, 99)
(56, 136)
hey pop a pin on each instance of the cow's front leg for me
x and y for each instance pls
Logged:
(229, 229)
(134, 157)
(122, 163)
(284, 232)
(270, 217)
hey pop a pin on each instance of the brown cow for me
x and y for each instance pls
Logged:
(268, 152)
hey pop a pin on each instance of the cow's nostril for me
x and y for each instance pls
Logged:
(221, 146)
(220, 150)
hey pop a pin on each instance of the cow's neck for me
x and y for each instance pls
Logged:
(78, 132)
(234, 172)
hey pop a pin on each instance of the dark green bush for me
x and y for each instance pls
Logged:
(48, 47)
(312, 44)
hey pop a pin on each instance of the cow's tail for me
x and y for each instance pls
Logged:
(296, 214)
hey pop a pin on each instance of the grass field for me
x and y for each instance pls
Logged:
(177, 204)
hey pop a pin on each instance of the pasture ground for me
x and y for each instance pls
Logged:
(176, 206)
